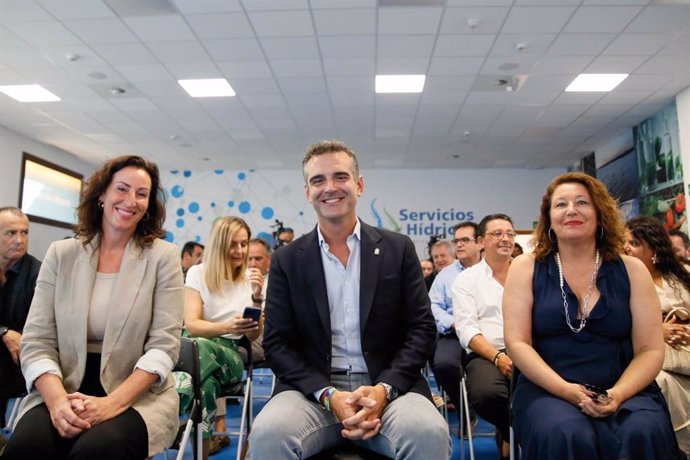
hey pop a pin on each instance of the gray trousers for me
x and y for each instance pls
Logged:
(290, 426)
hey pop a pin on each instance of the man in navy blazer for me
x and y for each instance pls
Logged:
(348, 327)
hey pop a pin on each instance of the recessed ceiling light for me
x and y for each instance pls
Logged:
(399, 83)
(591, 82)
(29, 93)
(209, 87)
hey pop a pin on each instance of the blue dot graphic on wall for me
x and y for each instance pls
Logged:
(197, 198)
(197, 239)
(169, 237)
(177, 191)
(244, 207)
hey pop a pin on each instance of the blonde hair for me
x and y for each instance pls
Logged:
(217, 269)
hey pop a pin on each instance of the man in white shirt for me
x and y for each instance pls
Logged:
(477, 300)
(447, 360)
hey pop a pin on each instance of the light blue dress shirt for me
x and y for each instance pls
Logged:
(441, 297)
(342, 286)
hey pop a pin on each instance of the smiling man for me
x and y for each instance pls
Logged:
(18, 273)
(477, 308)
(348, 328)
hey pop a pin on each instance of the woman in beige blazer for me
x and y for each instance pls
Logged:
(104, 327)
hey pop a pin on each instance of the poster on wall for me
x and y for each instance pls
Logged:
(657, 148)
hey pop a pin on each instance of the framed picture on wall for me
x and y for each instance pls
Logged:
(49, 193)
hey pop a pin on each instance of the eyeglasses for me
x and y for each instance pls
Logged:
(463, 240)
(499, 234)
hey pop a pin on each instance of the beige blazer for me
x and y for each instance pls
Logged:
(145, 317)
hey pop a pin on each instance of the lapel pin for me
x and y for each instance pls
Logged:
(376, 251)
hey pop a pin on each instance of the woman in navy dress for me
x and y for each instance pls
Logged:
(582, 324)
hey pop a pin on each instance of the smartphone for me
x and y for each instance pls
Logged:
(601, 395)
(252, 312)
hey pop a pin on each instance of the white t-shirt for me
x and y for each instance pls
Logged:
(221, 306)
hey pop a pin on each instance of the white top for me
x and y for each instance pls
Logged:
(477, 306)
(99, 307)
(221, 306)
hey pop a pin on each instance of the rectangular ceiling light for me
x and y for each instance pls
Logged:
(29, 93)
(399, 83)
(596, 82)
(209, 87)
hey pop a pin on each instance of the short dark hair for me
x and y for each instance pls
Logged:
(466, 224)
(90, 214)
(189, 247)
(675, 232)
(481, 228)
(332, 146)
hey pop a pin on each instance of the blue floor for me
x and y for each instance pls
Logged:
(484, 446)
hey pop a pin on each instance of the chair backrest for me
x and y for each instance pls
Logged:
(188, 362)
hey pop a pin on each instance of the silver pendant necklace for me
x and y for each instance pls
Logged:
(585, 306)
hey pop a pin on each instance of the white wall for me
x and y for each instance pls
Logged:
(445, 197)
(12, 145)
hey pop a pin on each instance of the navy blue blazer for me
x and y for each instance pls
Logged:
(397, 326)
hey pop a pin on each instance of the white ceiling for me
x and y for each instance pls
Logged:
(304, 71)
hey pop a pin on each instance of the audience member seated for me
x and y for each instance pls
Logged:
(103, 331)
(260, 253)
(477, 300)
(647, 240)
(217, 292)
(582, 324)
(348, 328)
(447, 360)
(427, 267)
(681, 244)
(192, 252)
(517, 250)
(18, 273)
(442, 256)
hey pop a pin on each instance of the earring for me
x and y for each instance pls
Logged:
(146, 216)
(600, 232)
(655, 260)
(552, 235)
(99, 204)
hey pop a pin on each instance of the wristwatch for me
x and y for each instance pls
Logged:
(391, 391)
(3, 331)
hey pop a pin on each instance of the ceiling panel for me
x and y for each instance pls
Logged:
(304, 70)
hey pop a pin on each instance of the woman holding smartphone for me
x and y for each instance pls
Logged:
(217, 292)
(582, 324)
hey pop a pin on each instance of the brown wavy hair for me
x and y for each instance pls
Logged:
(90, 215)
(609, 218)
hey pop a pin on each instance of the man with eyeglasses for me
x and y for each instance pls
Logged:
(477, 297)
(447, 360)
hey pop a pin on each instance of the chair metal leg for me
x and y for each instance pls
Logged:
(14, 412)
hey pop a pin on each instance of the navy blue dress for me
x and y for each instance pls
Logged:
(548, 427)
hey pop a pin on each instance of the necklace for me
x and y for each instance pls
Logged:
(583, 318)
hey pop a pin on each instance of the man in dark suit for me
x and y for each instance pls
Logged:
(18, 273)
(348, 327)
